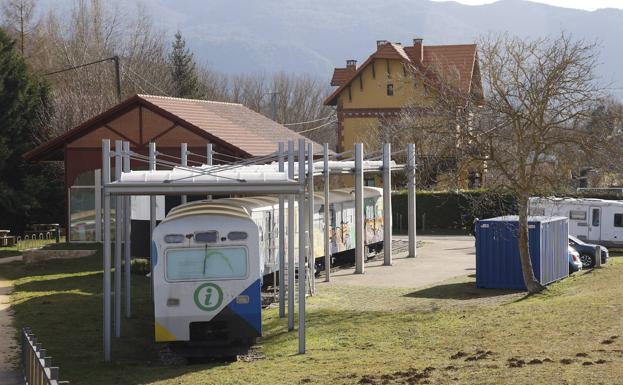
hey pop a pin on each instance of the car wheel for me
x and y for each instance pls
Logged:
(588, 261)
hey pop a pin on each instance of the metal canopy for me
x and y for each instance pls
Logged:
(279, 178)
(205, 180)
(201, 188)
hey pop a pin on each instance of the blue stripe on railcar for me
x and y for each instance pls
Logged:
(251, 312)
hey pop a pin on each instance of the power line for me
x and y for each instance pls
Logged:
(146, 81)
(309, 121)
(81, 65)
(315, 128)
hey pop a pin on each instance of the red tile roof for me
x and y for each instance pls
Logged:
(456, 61)
(231, 125)
(341, 75)
(234, 123)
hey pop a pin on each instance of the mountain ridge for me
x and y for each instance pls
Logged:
(235, 36)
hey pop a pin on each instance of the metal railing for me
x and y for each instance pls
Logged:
(36, 366)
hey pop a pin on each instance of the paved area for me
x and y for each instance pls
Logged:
(17, 258)
(438, 259)
(8, 346)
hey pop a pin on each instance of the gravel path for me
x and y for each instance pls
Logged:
(8, 345)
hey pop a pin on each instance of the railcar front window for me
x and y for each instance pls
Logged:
(206, 263)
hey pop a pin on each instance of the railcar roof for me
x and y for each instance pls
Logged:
(207, 208)
(336, 196)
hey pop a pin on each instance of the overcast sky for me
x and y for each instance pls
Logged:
(590, 5)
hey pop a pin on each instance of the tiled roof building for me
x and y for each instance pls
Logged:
(384, 84)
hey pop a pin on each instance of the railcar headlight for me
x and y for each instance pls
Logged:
(173, 302)
(242, 300)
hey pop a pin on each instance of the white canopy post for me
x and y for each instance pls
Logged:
(387, 204)
(209, 154)
(119, 221)
(127, 219)
(359, 230)
(184, 161)
(327, 223)
(411, 186)
(152, 199)
(98, 206)
(302, 269)
(282, 241)
(106, 248)
(310, 187)
(291, 240)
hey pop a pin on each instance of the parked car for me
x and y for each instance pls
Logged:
(587, 252)
(575, 264)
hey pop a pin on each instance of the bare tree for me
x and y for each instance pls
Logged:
(532, 130)
(19, 19)
(299, 102)
(92, 31)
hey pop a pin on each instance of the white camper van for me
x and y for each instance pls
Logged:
(592, 220)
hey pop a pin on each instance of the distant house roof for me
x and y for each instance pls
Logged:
(460, 59)
(231, 125)
(342, 75)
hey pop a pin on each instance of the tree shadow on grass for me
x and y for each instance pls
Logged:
(459, 291)
(9, 253)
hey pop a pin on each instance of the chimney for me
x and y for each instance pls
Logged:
(351, 64)
(419, 49)
(379, 43)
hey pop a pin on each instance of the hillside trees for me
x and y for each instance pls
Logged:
(94, 30)
(28, 192)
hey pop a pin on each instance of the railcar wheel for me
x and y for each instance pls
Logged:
(168, 357)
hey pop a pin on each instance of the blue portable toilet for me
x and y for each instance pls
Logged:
(497, 251)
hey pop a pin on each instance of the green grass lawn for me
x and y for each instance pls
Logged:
(451, 333)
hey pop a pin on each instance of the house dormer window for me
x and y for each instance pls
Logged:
(390, 90)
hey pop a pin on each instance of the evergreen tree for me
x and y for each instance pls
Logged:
(183, 70)
(29, 193)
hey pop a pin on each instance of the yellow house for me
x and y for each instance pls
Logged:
(370, 95)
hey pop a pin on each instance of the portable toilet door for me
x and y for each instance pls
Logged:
(594, 226)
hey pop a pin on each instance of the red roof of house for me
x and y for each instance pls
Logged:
(342, 75)
(231, 125)
(460, 61)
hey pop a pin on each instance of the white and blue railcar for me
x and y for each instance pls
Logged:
(207, 279)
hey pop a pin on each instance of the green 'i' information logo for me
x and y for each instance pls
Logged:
(208, 296)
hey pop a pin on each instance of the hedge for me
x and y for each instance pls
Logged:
(458, 209)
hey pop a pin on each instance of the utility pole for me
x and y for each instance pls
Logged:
(273, 105)
(114, 59)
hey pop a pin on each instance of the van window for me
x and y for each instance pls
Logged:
(206, 263)
(577, 215)
(595, 221)
(618, 220)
